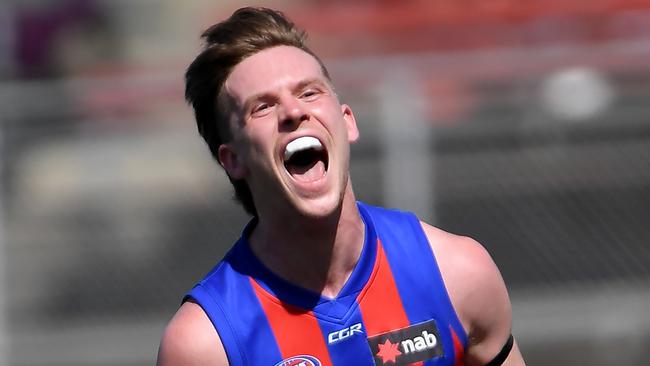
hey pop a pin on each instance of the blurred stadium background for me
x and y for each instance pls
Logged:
(525, 125)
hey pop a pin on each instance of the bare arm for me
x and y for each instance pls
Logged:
(191, 340)
(478, 294)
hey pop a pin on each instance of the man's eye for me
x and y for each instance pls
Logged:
(309, 94)
(261, 107)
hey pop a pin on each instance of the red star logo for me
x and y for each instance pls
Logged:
(388, 351)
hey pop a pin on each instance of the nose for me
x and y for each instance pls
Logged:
(292, 112)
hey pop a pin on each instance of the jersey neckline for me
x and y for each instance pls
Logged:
(283, 291)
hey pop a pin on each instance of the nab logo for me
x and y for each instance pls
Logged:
(344, 333)
(417, 344)
(407, 345)
(302, 360)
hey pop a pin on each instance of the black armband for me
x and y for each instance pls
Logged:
(503, 354)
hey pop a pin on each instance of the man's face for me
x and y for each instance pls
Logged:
(291, 135)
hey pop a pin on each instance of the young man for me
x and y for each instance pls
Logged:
(318, 278)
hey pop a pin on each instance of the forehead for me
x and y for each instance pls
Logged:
(271, 69)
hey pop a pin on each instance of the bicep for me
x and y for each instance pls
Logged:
(190, 339)
(478, 294)
(487, 308)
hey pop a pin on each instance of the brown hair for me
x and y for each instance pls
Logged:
(246, 32)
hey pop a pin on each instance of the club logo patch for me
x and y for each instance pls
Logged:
(404, 346)
(301, 360)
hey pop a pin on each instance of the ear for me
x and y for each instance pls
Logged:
(350, 123)
(231, 162)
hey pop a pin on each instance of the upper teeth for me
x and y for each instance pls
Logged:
(301, 143)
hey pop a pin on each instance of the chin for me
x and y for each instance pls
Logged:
(321, 207)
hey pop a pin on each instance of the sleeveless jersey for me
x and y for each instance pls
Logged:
(393, 310)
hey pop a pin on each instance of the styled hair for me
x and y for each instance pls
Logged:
(248, 31)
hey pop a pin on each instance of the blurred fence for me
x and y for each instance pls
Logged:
(113, 207)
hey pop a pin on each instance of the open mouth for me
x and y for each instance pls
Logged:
(305, 158)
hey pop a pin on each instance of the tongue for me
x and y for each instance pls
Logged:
(309, 173)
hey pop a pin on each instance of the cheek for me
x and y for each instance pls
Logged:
(329, 116)
(260, 139)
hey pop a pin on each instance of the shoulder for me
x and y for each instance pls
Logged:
(476, 289)
(191, 339)
(463, 261)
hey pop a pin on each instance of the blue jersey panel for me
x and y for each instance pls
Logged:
(347, 342)
(229, 300)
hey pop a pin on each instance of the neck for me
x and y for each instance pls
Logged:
(316, 254)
